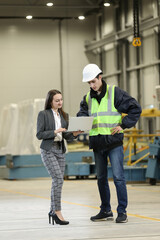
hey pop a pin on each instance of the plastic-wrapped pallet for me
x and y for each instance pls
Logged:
(18, 127)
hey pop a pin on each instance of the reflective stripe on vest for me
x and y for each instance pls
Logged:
(105, 114)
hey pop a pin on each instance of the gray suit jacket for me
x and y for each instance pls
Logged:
(46, 127)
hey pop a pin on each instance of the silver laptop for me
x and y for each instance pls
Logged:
(80, 124)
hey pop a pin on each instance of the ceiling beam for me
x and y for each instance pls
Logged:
(37, 18)
(42, 6)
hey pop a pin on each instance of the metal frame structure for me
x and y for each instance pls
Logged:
(120, 40)
(121, 34)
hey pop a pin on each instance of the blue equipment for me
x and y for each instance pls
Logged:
(153, 168)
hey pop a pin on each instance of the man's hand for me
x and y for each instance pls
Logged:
(117, 129)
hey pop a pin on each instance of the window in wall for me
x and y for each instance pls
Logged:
(129, 13)
(110, 59)
(133, 77)
(150, 51)
(109, 24)
(147, 9)
(150, 72)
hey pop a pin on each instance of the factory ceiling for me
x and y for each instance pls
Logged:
(61, 9)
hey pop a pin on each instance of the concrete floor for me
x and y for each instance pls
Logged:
(24, 205)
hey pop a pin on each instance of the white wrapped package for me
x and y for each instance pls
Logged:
(18, 127)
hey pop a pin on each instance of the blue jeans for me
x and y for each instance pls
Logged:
(116, 157)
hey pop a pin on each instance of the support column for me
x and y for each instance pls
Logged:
(61, 56)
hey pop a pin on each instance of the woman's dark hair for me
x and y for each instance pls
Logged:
(49, 99)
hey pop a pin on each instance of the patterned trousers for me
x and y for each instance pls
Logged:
(54, 161)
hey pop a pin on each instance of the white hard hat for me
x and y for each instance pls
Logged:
(90, 71)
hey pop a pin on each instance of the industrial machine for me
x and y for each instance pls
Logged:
(153, 168)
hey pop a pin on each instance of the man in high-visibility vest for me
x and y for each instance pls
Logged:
(106, 104)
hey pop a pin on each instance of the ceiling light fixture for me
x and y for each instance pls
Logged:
(29, 17)
(81, 17)
(107, 3)
(50, 4)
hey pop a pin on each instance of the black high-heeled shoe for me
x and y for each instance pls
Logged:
(58, 221)
(50, 216)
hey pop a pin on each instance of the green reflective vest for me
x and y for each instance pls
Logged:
(105, 114)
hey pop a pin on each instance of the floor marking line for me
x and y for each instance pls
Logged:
(77, 204)
(144, 190)
(129, 214)
(22, 193)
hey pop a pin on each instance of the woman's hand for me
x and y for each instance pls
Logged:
(76, 133)
(59, 130)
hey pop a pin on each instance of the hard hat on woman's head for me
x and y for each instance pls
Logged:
(90, 71)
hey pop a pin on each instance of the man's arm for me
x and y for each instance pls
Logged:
(124, 103)
(83, 108)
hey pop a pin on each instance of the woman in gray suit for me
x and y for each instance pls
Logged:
(52, 123)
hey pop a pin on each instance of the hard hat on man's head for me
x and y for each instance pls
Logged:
(90, 71)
